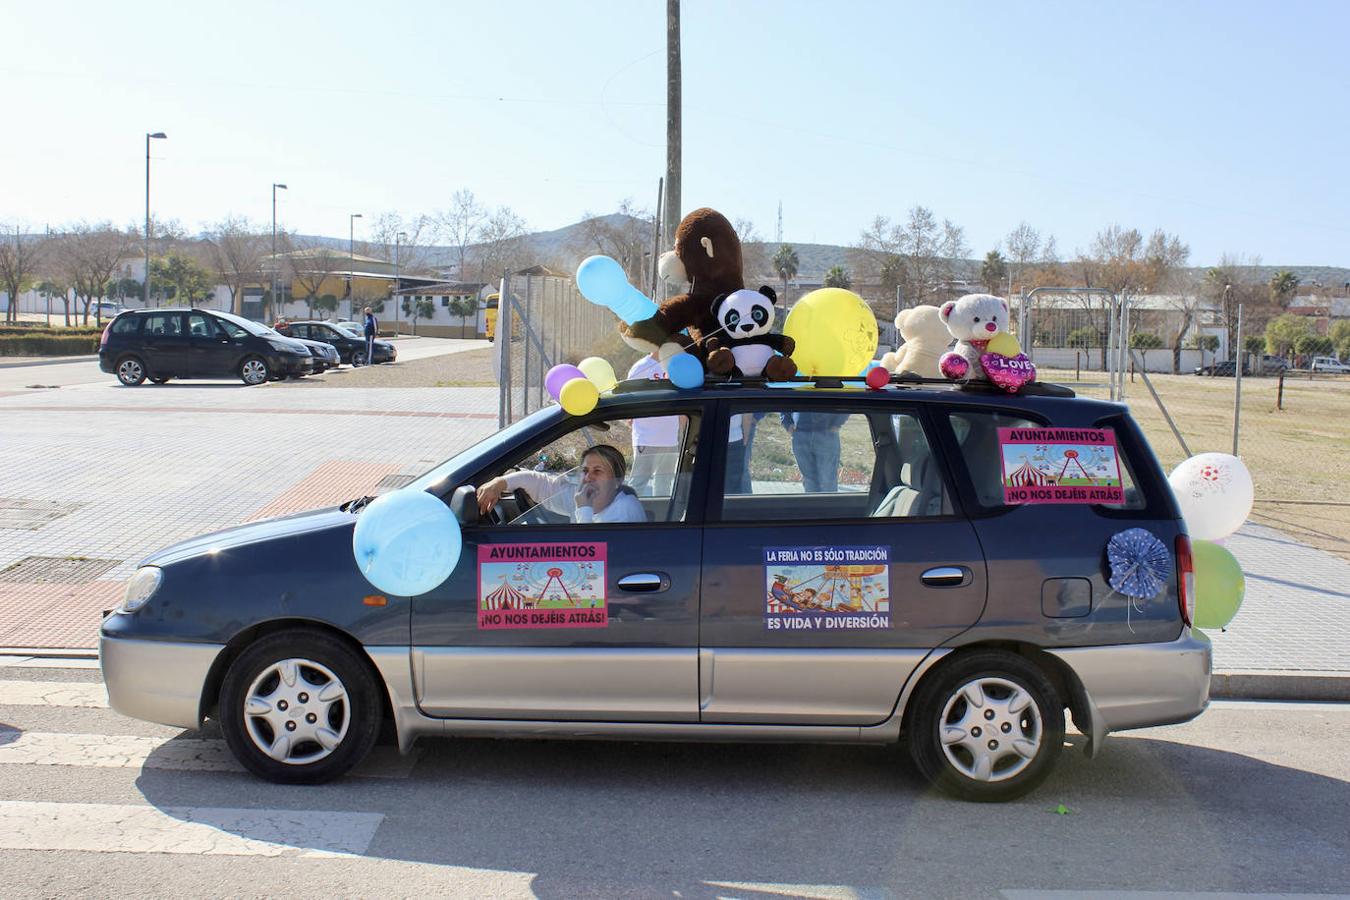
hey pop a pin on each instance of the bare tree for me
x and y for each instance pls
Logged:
(919, 256)
(1024, 248)
(237, 250)
(19, 261)
(624, 235)
(412, 251)
(501, 247)
(89, 256)
(314, 268)
(754, 254)
(460, 225)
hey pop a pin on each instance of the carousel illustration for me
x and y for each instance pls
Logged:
(839, 589)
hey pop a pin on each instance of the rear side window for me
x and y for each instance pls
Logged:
(127, 325)
(163, 324)
(977, 436)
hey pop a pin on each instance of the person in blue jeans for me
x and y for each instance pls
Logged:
(372, 325)
(815, 444)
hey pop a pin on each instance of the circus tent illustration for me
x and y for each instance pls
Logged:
(504, 597)
(1027, 475)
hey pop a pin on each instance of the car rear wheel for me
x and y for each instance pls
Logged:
(986, 727)
(299, 707)
(254, 370)
(358, 358)
(130, 370)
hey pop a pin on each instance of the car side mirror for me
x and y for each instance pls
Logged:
(464, 504)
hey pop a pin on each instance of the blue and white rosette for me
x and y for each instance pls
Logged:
(1140, 564)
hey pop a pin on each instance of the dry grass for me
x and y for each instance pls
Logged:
(1300, 452)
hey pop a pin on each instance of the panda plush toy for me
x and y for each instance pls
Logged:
(743, 345)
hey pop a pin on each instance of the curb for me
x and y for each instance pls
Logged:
(52, 361)
(50, 652)
(1305, 686)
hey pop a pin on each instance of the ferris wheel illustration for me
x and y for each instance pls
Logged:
(1071, 459)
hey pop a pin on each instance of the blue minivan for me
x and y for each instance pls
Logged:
(793, 562)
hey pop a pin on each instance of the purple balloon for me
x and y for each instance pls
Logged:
(558, 376)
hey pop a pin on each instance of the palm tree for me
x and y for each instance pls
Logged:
(785, 263)
(838, 277)
(1283, 285)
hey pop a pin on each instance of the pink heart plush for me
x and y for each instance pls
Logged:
(1008, 372)
(953, 366)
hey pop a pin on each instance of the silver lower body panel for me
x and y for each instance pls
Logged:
(157, 681)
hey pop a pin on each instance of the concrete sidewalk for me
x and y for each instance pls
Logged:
(87, 507)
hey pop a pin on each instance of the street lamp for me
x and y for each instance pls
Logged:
(351, 264)
(158, 135)
(275, 304)
(398, 283)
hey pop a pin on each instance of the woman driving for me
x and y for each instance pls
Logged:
(602, 496)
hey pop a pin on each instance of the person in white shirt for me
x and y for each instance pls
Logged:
(656, 440)
(601, 497)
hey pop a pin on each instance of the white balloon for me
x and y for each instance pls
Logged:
(1215, 493)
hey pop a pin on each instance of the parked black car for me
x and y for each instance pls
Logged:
(351, 345)
(1228, 368)
(160, 344)
(325, 355)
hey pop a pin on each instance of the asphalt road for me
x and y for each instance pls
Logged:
(1249, 799)
(56, 373)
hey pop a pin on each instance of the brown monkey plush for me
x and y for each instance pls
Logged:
(707, 254)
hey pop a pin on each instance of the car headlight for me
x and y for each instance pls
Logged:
(141, 588)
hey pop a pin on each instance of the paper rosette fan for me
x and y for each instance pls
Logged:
(1140, 564)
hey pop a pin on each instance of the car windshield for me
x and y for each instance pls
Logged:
(493, 446)
(346, 332)
(248, 325)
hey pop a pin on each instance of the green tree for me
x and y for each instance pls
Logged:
(1283, 332)
(785, 263)
(994, 271)
(463, 307)
(1283, 286)
(838, 277)
(1084, 338)
(1254, 343)
(328, 303)
(418, 308)
(123, 289)
(1205, 343)
(1314, 345)
(1340, 337)
(186, 281)
(1144, 341)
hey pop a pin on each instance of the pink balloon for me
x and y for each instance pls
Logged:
(1008, 372)
(953, 366)
(559, 375)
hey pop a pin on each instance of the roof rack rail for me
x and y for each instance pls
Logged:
(1035, 388)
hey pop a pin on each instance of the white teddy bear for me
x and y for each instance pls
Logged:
(975, 320)
(926, 339)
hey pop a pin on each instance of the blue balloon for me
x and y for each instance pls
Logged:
(407, 542)
(602, 280)
(684, 370)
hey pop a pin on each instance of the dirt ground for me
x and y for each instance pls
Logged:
(472, 368)
(1298, 453)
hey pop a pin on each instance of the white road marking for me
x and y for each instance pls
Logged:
(809, 891)
(82, 694)
(122, 751)
(122, 828)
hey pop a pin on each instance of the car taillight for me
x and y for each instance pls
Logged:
(1185, 579)
(103, 341)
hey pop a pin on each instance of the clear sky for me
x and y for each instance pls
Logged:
(1225, 122)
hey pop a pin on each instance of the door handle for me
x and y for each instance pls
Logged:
(945, 576)
(644, 583)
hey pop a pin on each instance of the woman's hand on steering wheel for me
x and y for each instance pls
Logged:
(490, 494)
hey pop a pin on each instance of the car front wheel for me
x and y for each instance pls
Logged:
(254, 371)
(130, 371)
(358, 358)
(986, 727)
(299, 707)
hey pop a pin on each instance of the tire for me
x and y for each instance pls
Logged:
(160, 379)
(998, 750)
(358, 358)
(253, 370)
(258, 706)
(130, 370)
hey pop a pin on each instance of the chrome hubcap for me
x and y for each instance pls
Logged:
(130, 370)
(254, 372)
(990, 729)
(296, 711)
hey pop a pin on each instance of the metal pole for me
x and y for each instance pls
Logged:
(1279, 396)
(1237, 384)
(1124, 345)
(1161, 408)
(398, 282)
(145, 284)
(656, 234)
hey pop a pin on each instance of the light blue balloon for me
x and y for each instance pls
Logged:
(407, 542)
(602, 280)
(684, 371)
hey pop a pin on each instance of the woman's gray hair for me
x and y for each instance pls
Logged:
(611, 455)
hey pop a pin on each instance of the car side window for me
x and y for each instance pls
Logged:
(233, 330)
(201, 326)
(652, 456)
(163, 325)
(977, 436)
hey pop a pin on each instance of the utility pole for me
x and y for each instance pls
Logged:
(673, 106)
(145, 300)
(351, 264)
(276, 305)
(398, 283)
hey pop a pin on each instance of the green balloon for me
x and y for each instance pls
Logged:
(1219, 585)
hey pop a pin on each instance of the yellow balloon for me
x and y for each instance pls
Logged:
(579, 396)
(835, 331)
(598, 370)
(1004, 345)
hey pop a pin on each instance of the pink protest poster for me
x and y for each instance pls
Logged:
(542, 585)
(1060, 465)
